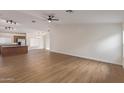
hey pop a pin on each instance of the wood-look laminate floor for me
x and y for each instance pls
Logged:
(44, 66)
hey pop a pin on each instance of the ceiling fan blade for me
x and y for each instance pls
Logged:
(55, 19)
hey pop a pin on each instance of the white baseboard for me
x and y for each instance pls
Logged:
(94, 59)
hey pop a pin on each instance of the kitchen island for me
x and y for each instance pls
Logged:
(13, 50)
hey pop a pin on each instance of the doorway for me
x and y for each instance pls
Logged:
(38, 40)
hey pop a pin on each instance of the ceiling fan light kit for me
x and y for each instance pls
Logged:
(51, 18)
(49, 21)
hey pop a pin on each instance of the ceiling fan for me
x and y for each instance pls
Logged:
(52, 18)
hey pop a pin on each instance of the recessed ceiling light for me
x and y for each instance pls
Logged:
(33, 21)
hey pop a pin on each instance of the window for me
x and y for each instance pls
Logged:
(5, 40)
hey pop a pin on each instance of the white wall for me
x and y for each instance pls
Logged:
(94, 41)
(47, 41)
(123, 43)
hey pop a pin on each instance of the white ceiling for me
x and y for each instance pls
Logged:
(24, 18)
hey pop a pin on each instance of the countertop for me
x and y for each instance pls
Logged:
(13, 46)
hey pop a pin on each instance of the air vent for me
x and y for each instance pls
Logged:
(69, 11)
